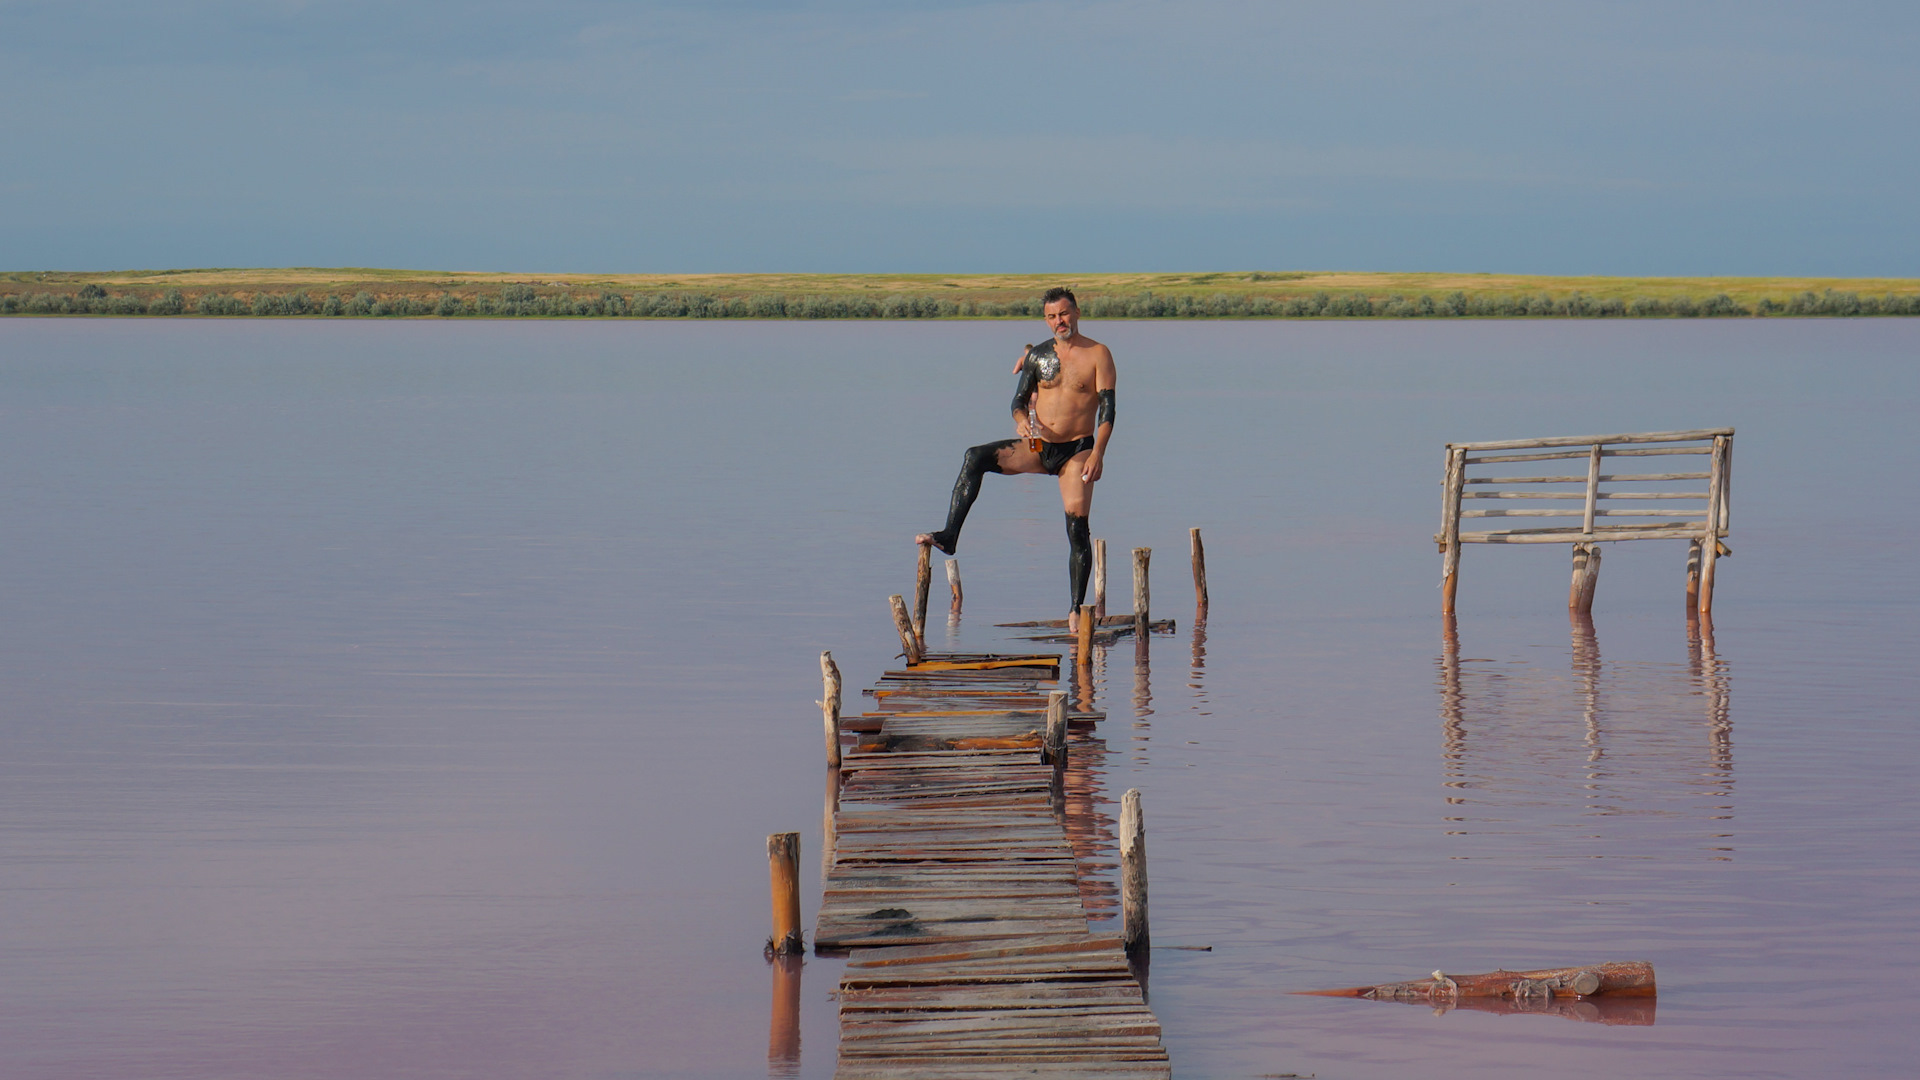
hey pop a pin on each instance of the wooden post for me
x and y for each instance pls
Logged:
(1586, 576)
(1199, 575)
(1455, 482)
(783, 870)
(1083, 636)
(1100, 578)
(1141, 556)
(1693, 577)
(953, 583)
(1056, 740)
(903, 623)
(1710, 540)
(922, 582)
(830, 707)
(1133, 875)
(1593, 489)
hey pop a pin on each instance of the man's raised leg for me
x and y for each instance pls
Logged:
(978, 461)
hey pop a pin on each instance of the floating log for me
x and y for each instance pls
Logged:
(1199, 575)
(783, 872)
(903, 623)
(953, 583)
(1098, 620)
(830, 707)
(1630, 978)
(1133, 875)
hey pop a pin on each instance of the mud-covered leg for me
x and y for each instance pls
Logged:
(977, 462)
(1079, 558)
(1076, 498)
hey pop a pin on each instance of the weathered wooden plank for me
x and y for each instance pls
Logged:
(1588, 440)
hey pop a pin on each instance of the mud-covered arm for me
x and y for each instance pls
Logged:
(1104, 377)
(1023, 391)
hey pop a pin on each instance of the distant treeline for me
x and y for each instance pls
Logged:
(524, 300)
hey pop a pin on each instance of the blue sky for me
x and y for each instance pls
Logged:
(587, 135)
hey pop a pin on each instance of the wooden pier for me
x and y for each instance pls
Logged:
(952, 872)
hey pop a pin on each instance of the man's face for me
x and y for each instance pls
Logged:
(1063, 318)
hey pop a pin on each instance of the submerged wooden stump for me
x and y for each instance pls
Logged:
(1631, 978)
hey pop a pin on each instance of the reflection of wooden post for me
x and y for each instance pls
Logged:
(1133, 874)
(1586, 577)
(783, 1032)
(1450, 527)
(953, 583)
(1141, 556)
(922, 582)
(1693, 577)
(1083, 635)
(904, 624)
(830, 706)
(1100, 578)
(1056, 740)
(1710, 542)
(1199, 575)
(783, 871)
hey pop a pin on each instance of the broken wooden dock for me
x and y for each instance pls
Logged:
(953, 873)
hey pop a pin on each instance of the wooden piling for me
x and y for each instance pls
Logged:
(953, 584)
(783, 871)
(1586, 577)
(1456, 481)
(1710, 542)
(1141, 556)
(1199, 575)
(903, 623)
(922, 583)
(1099, 579)
(1693, 577)
(830, 706)
(1056, 739)
(1133, 875)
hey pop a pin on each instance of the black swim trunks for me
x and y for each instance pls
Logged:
(1055, 455)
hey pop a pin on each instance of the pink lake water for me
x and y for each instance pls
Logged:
(413, 699)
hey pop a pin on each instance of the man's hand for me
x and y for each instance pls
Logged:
(1092, 470)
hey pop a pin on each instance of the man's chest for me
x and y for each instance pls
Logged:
(1075, 375)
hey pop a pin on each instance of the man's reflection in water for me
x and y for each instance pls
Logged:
(1506, 748)
(783, 1033)
(1090, 833)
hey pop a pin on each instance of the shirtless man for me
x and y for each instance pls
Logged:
(1063, 415)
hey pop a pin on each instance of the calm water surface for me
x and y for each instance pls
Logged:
(414, 699)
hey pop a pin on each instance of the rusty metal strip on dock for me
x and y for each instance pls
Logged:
(954, 877)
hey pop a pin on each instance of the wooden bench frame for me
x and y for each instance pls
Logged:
(1699, 524)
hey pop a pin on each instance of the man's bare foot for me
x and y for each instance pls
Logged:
(938, 539)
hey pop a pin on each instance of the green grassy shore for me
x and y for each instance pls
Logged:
(365, 292)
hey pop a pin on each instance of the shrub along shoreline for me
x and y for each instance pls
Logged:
(523, 301)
